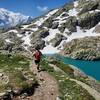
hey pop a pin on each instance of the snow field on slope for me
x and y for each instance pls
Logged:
(49, 49)
(26, 39)
(41, 20)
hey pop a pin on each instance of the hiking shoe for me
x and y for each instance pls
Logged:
(35, 74)
(41, 79)
(39, 71)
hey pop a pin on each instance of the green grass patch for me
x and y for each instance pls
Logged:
(16, 68)
(64, 67)
(45, 66)
(13, 61)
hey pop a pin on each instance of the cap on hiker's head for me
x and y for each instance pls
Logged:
(37, 48)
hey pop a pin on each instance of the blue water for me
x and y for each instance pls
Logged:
(91, 68)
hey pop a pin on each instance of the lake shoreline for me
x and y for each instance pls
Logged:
(90, 68)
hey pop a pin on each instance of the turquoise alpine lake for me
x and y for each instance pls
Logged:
(91, 68)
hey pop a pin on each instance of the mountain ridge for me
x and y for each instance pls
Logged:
(10, 19)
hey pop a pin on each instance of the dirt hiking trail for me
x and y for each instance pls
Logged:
(48, 87)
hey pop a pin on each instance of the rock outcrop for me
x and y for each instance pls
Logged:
(97, 29)
(87, 48)
(88, 20)
(57, 40)
(71, 24)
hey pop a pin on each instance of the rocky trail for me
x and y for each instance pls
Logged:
(48, 87)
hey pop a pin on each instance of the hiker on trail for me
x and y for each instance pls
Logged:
(37, 58)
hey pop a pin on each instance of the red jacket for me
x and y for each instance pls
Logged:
(37, 55)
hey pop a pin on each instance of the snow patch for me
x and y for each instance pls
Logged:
(8, 41)
(66, 30)
(19, 35)
(52, 12)
(26, 39)
(75, 4)
(34, 29)
(61, 22)
(15, 31)
(73, 12)
(81, 34)
(41, 20)
(25, 26)
(94, 11)
(49, 50)
(52, 34)
(60, 19)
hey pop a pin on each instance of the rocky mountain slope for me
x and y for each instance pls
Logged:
(52, 31)
(87, 48)
(11, 19)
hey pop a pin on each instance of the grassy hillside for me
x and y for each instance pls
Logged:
(15, 74)
(69, 90)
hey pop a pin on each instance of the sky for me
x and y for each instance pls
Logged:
(32, 8)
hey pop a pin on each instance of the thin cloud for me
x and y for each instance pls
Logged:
(42, 9)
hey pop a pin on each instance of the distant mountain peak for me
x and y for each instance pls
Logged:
(10, 19)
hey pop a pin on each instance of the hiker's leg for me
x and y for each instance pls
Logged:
(38, 66)
(36, 62)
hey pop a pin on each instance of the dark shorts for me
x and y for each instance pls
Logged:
(37, 62)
